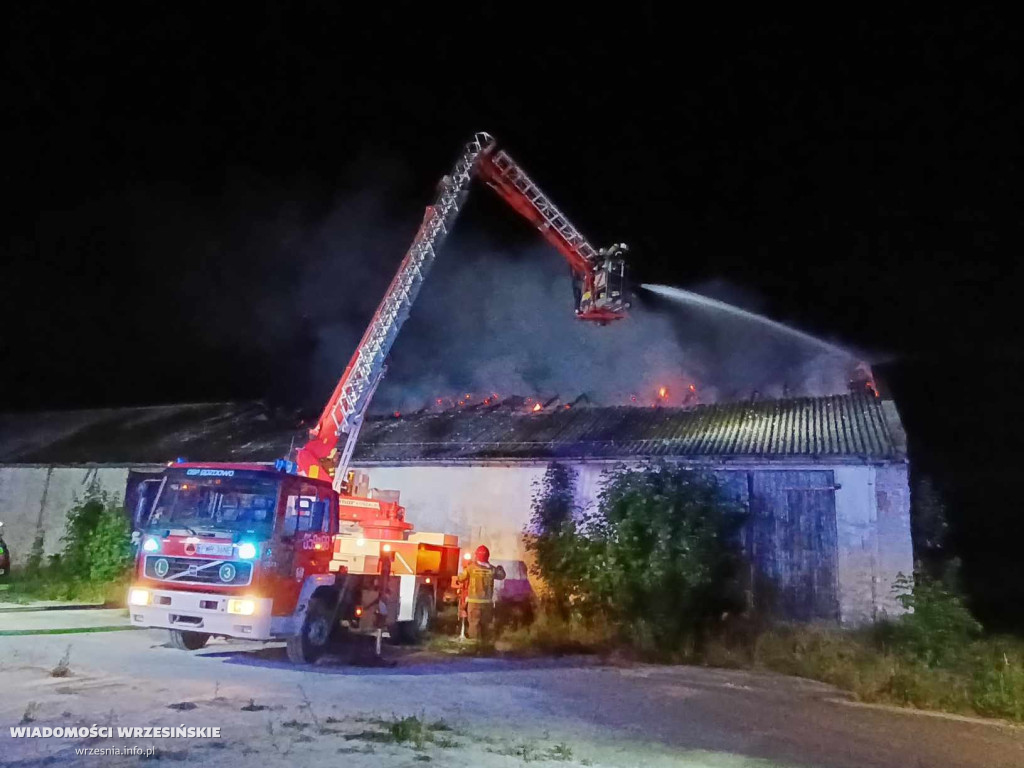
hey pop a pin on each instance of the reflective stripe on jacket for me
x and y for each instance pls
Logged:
(480, 580)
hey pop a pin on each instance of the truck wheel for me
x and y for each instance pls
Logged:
(184, 640)
(311, 642)
(412, 632)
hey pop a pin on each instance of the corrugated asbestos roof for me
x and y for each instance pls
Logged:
(150, 435)
(851, 427)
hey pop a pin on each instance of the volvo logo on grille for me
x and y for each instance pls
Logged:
(160, 568)
(227, 572)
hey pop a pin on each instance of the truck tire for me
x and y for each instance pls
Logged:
(184, 640)
(311, 642)
(411, 632)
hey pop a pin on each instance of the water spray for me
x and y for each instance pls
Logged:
(695, 299)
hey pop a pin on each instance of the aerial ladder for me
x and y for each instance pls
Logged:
(598, 285)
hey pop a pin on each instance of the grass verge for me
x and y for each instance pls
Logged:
(981, 676)
(54, 585)
(550, 635)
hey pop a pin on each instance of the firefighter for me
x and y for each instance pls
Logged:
(478, 580)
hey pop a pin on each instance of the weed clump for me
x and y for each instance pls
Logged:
(63, 667)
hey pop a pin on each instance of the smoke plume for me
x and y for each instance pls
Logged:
(499, 320)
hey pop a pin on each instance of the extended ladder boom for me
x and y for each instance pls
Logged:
(600, 273)
(600, 293)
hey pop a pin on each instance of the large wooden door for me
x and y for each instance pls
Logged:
(792, 542)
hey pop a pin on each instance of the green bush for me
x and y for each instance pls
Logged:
(656, 559)
(937, 628)
(553, 539)
(97, 539)
(95, 560)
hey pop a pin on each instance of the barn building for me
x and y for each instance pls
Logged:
(825, 479)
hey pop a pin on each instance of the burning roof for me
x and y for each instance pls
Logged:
(856, 426)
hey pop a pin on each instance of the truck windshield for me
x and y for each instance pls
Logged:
(236, 505)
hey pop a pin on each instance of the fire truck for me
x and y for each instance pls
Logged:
(300, 549)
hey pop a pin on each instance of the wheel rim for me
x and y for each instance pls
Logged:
(318, 631)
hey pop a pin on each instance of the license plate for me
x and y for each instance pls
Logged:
(223, 550)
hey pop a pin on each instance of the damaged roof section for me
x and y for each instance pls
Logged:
(855, 427)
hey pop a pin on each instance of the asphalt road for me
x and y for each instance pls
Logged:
(503, 712)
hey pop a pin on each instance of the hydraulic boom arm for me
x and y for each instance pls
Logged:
(598, 278)
(601, 289)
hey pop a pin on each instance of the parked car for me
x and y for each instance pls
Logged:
(5, 556)
(513, 595)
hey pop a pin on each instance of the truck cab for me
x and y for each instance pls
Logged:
(231, 549)
(260, 553)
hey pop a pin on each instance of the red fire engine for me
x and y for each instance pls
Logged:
(295, 551)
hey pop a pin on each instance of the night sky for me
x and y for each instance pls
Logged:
(859, 175)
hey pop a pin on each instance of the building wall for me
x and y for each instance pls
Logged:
(37, 499)
(864, 509)
(834, 538)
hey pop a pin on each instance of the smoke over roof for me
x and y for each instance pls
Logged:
(495, 315)
(495, 320)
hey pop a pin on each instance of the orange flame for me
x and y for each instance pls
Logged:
(537, 407)
(662, 392)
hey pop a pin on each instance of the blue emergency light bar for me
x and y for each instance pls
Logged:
(283, 465)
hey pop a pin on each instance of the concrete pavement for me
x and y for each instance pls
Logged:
(502, 712)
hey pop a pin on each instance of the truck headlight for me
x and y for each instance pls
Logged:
(247, 551)
(138, 597)
(151, 544)
(241, 606)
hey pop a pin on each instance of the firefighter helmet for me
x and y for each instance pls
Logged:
(483, 554)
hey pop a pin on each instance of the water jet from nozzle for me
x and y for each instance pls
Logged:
(697, 300)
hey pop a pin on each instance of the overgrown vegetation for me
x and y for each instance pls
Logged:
(554, 539)
(651, 572)
(655, 562)
(935, 657)
(95, 559)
